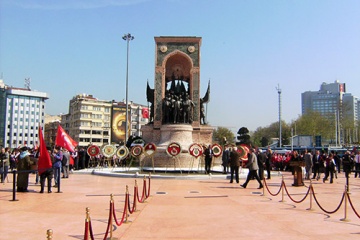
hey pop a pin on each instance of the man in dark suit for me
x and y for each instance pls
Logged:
(317, 164)
(208, 158)
(261, 158)
(234, 165)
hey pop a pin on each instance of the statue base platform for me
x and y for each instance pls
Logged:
(183, 134)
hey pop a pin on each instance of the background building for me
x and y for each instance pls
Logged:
(93, 121)
(50, 129)
(22, 111)
(326, 101)
(332, 102)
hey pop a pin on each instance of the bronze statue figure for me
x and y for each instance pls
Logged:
(203, 100)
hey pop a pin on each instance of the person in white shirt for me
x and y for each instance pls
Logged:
(357, 163)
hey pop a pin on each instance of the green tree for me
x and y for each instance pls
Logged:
(243, 136)
(314, 124)
(223, 136)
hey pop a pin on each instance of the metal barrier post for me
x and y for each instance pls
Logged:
(49, 234)
(311, 196)
(345, 219)
(14, 186)
(87, 224)
(111, 215)
(135, 195)
(282, 189)
(58, 179)
(126, 203)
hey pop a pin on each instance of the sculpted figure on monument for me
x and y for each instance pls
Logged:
(150, 99)
(203, 100)
(177, 109)
(167, 108)
(188, 106)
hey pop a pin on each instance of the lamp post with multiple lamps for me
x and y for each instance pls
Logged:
(127, 37)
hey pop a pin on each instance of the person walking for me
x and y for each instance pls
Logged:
(46, 174)
(253, 167)
(234, 165)
(329, 168)
(317, 161)
(308, 164)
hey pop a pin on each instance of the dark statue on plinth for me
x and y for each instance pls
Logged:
(177, 107)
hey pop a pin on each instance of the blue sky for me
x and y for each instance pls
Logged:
(249, 47)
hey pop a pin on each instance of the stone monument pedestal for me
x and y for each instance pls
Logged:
(185, 135)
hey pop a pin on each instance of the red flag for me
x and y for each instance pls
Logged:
(44, 157)
(145, 112)
(64, 140)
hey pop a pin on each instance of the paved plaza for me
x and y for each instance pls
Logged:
(181, 206)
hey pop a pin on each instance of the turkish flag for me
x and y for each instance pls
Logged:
(44, 162)
(145, 112)
(64, 140)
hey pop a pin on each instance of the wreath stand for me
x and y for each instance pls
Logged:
(192, 164)
(200, 162)
(152, 162)
(175, 158)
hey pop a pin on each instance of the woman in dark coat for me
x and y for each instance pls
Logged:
(23, 167)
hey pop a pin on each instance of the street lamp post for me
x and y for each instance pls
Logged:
(127, 38)
(279, 92)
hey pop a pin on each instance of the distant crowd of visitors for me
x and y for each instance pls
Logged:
(315, 163)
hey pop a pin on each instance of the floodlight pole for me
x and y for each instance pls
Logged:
(127, 38)
(279, 92)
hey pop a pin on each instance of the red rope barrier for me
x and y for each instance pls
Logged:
(86, 233)
(124, 212)
(147, 194)
(272, 194)
(132, 210)
(91, 231)
(328, 212)
(142, 199)
(308, 191)
(356, 213)
(109, 221)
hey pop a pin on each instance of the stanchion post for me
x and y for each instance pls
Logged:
(111, 215)
(58, 179)
(311, 196)
(135, 195)
(263, 194)
(87, 224)
(49, 234)
(14, 186)
(345, 219)
(282, 188)
(126, 203)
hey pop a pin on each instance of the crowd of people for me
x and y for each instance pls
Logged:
(314, 163)
(24, 160)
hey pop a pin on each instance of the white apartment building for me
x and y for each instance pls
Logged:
(88, 120)
(92, 121)
(22, 112)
